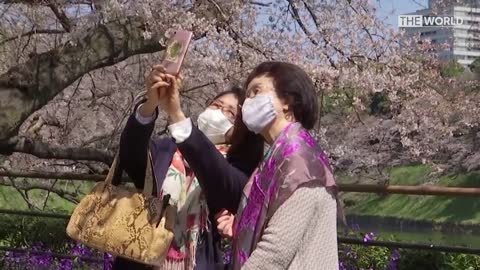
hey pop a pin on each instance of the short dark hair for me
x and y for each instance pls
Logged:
(295, 86)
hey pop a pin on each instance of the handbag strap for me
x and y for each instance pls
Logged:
(113, 170)
(149, 176)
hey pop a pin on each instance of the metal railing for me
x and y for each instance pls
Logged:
(362, 188)
(343, 240)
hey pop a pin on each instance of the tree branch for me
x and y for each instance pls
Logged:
(27, 87)
(48, 195)
(33, 32)
(257, 3)
(25, 186)
(59, 175)
(233, 33)
(60, 16)
(364, 28)
(45, 2)
(46, 151)
(327, 42)
(191, 89)
(296, 16)
(22, 193)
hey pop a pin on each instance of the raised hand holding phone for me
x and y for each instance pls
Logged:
(164, 81)
(154, 81)
(163, 90)
(170, 98)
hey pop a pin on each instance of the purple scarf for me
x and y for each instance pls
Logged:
(293, 160)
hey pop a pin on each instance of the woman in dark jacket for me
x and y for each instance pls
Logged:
(192, 163)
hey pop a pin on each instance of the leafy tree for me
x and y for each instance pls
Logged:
(452, 69)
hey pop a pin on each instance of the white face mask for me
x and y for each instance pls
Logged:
(258, 112)
(214, 124)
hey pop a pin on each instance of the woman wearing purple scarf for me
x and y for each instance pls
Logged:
(287, 216)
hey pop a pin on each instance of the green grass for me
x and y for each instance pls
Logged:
(24, 231)
(436, 208)
(10, 198)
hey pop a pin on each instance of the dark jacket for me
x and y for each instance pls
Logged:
(218, 178)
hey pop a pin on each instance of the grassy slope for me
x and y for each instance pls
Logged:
(454, 209)
(23, 231)
(411, 207)
(11, 199)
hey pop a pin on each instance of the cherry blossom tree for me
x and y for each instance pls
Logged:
(71, 69)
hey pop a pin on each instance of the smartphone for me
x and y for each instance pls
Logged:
(176, 50)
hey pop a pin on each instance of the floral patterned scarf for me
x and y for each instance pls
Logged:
(293, 160)
(192, 215)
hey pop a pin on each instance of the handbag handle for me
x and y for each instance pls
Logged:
(113, 169)
(149, 175)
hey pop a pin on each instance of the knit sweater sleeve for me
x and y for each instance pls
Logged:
(284, 235)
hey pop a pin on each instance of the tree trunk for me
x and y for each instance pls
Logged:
(27, 87)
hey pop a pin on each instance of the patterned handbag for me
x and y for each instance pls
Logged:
(125, 223)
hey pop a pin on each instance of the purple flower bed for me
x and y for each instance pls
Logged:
(356, 257)
(351, 257)
(82, 257)
(41, 257)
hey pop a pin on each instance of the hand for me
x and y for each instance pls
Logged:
(169, 96)
(163, 90)
(225, 221)
(154, 81)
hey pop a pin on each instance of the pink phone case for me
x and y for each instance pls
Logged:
(175, 52)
